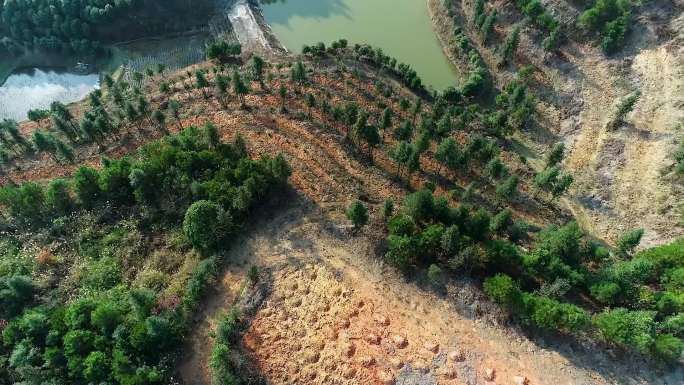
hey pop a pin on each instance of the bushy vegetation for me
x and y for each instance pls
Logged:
(624, 107)
(403, 71)
(610, 20)
(113, 317)
(221, 363)
(536, 13)
(643, 293)
(477, 82)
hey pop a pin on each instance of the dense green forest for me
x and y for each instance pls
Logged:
(81, 27)
(565, 282)
(120, 291)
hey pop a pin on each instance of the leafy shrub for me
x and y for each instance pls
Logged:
(609, 18)
(358, 214)
(58, 196)
(503, 290)
(402, 224)
(402, 251)
(627, 328)
(205, 225)
(86, 186)
(668, 348)
(15, 293)
(550, 314)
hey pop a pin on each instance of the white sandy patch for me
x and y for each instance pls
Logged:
(246, 27)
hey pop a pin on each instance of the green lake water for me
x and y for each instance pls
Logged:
(402, 28)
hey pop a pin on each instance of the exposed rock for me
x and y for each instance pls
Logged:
(385, 377)
(420, 366)
(456, 356)
(448, 371)
(399, 341)
(349, 372)
(348, 350)
(382, 320)
(373, 339)
(311, 357)
(396, 363)
(367, 361)
(520, 380)
(489, 374)
(432, 346)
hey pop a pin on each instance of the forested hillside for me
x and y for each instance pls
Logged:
(81, 27)
(121, 211)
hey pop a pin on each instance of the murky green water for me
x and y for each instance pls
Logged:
(401, 27)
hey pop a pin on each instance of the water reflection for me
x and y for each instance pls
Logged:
(402, 28)
(37, 88)
(281, 11)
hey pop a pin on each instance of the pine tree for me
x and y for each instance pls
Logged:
(174, 108)
(201, 83)
(298, 73)
(258, 70)
(511, 44)
(386, 122)
(239, 87)
(160, 119)
(358, 214)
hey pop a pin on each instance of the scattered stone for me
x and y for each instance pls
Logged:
(385, 377)
(399, 341)
(448, 371)
(420, 366)
(344, 323)
(296, 302)
(349, 372)
(311, 357)
(367, 361)
(520, 380)
(457, 356)
(318, 345)
(310, 374)
(373, 339)
(396, 363)
(348, 350)
(432, 346)
(489, 374)
(382, 320)
(332, 334)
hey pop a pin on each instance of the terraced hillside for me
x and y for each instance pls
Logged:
(182, 257)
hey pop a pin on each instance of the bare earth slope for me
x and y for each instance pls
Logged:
(337, 316)
(623, 178)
